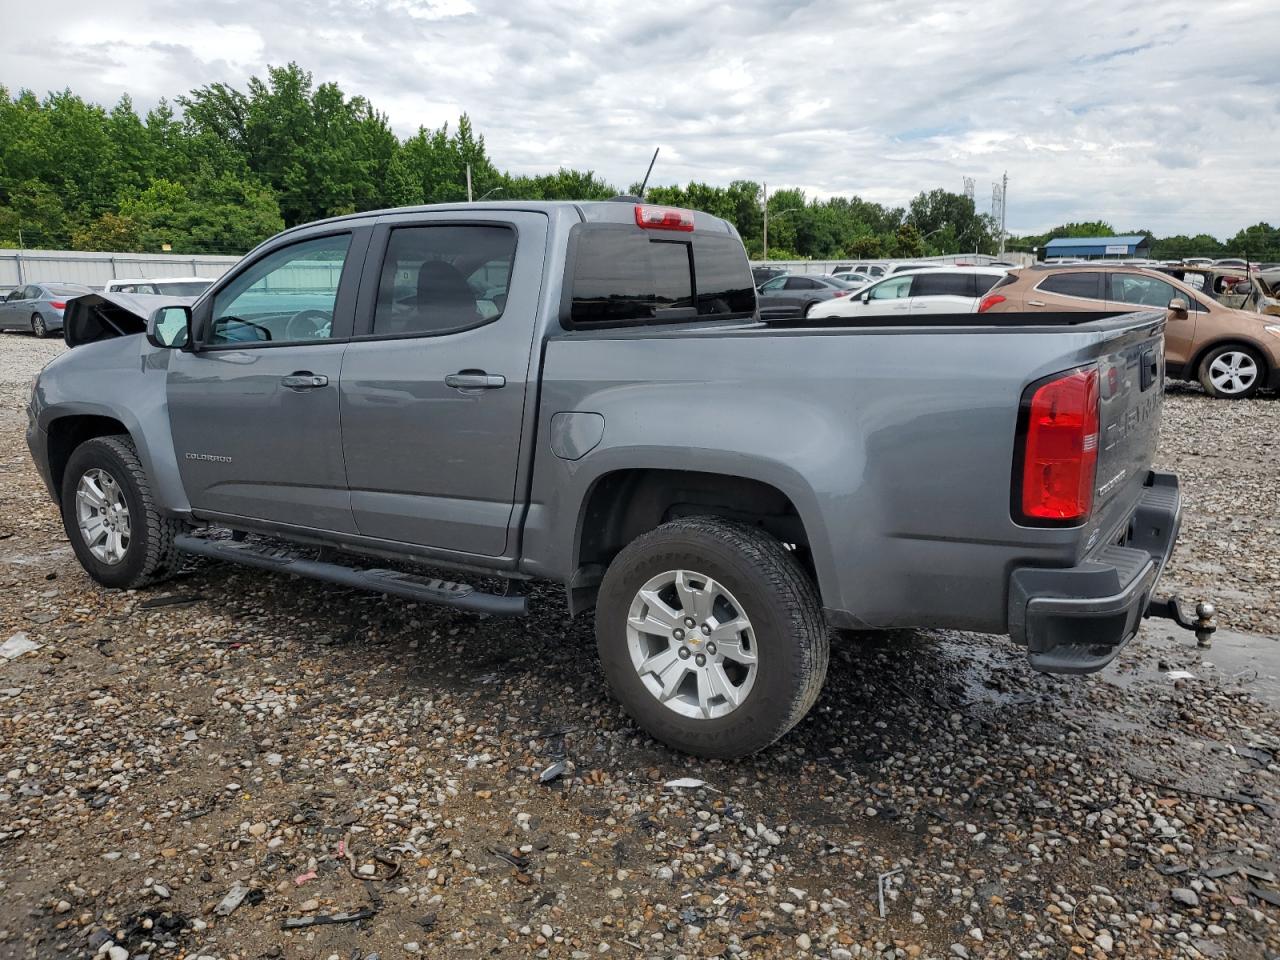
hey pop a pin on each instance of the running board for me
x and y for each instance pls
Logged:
(459, 596)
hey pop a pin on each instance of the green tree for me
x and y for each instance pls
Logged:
(907, 242)
(110, 231)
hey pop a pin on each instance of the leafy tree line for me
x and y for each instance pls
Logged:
(223, 168)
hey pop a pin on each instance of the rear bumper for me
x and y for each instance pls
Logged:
(1077, 619)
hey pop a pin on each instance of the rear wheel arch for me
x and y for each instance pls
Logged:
(623, 505)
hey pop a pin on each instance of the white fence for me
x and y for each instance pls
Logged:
(833, 266)
(95, 269)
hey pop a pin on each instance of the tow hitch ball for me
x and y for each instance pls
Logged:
(1170, 608)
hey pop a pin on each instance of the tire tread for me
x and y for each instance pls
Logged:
(161, 558)
(811, 650)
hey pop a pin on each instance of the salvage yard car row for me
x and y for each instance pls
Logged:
(1231, 352)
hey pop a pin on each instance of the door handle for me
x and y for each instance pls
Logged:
(304, 380)
(474, 380)
(1035, 303)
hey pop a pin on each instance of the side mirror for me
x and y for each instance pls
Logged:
(1178, 305)
(866, 297)
(169, 328)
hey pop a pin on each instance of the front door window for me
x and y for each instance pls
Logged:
(286, 297)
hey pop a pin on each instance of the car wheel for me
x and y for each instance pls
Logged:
(110, 516)
(1232, 372)
(711, 636)
(807, 307)
(38, 326)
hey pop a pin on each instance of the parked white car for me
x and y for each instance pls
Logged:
(932, 291)
(161, 286)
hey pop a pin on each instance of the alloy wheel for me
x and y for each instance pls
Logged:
(1233, 372)
(102, 515)
(692, 644)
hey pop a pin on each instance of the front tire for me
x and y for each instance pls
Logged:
(1232, 372)
(711, 636)
(110, 516)
(39, 327)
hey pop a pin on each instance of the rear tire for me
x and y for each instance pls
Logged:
(39, 327)
(733, 584)
(1232, 372)
(110, 516)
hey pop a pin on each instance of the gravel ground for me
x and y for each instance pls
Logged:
(293, 743)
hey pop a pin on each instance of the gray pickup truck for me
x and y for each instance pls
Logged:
(584, 393)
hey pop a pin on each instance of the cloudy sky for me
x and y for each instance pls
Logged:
(1162, 115)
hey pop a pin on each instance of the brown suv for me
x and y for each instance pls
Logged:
(1232, 353)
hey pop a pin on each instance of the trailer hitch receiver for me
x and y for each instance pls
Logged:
(1203, 625)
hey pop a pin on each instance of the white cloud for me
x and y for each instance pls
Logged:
(1151, 117)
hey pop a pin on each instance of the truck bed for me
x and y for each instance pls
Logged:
(894, 443)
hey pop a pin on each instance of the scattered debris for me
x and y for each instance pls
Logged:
(553, 772)
(17, 645)
(1180, 675)
(688, 783)
(321, 919)
(170, 600)
(881, 884)
(231, 902)
(519, 862)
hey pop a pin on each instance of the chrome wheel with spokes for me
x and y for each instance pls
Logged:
(1233, 372)
(692, 644)
(102, 515)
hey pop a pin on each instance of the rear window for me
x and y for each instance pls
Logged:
(182, 288)
(1085, 284)
(625, 275)
(943, 283)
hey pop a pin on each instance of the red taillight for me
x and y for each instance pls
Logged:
(58, 304)
(1060, 448)
(989, 301)
(663, 218)
(842, 293)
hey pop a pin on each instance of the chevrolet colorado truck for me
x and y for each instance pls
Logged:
(585, 393)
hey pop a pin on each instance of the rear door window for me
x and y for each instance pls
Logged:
(443, 279)
(802, 283)
(1084, 284)
(943, 283)
(624, 275)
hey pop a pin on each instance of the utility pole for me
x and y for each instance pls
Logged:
(468, 183)
(765, 254)
(1004, 207)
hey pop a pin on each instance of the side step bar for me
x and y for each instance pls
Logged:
(460, 596)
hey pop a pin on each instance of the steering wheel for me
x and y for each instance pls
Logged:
(308, 325)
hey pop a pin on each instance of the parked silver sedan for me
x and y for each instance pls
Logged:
(38, 307)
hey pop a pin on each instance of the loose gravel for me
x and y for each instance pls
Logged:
(240, 765)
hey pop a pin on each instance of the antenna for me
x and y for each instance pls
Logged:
(644, 183)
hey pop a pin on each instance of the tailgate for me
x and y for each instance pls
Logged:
(1131, 393)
